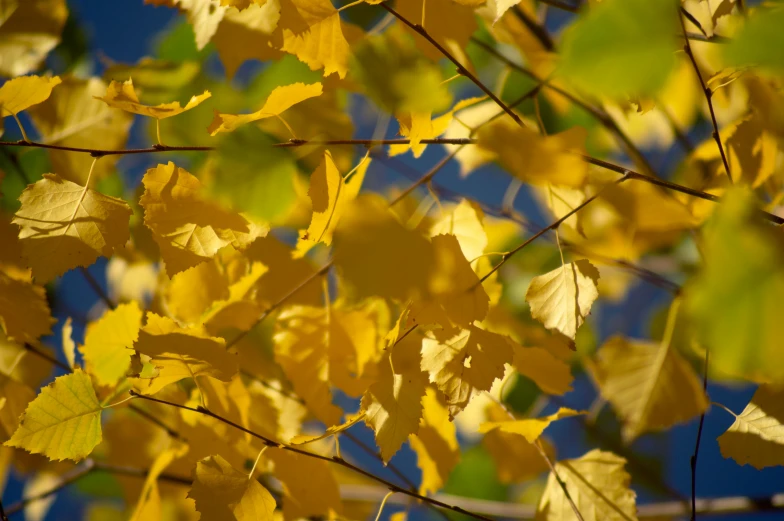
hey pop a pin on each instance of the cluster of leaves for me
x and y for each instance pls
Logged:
(267, 289)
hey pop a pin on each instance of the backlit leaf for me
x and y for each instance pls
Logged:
(435, 444)
(64, 420)
(108, 343)
(24, 310)
(562, 298)
(529, 428)
(22, 93)
(756, 437)
(120, 95)
(64, 225)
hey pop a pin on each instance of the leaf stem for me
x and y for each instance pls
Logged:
(693, 460)
(561, 483)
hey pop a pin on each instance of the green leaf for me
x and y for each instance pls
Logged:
(620, 48)
(760, 42)
(64, 420)
(735, 301)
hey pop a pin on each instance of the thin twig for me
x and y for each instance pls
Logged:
(3, 516)
(708, 96)
(96, 287)
(96, 152)
(335, 459)
(693, 460)
(372, 142)
(600, 115)
(535, 27)
(78, 474)
(560, 482)
(460, 68)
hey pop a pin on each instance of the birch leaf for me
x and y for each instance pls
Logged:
(188, 228)
(64, 420)
(24, 311)
(64, 225)
(393, 406)
(649, 384)
(108, 343)
(22, 93)
(223, 492)
(756, 437)
(121, 95)
(598, 485)
(278, 102)
(435, 444)
(529, 428)
(562, 298)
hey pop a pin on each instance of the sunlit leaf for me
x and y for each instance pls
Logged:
(122, 96)
(756, 437)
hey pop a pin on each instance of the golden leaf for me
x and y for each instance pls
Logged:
(122, 96)
(756, 437)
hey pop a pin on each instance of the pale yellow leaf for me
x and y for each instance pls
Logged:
(551, 374)
(64, 420)
(29, 30)
(64, 225)
(562, 298)
(223, 492)
(309, 486)
(108, 343)
(435, 444)
(278, 102)
(529, 428)
(756, 437)
(188, 228)
(464, 221)
(122, 96)
(351, 420)
(22, 93)
(393, 406)
(649, 384)
(597, 483)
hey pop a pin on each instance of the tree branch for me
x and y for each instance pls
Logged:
(707, 91)
(693, 459)
(334, 459)
(460, 69)
(373, 142)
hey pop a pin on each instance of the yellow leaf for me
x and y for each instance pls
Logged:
(530, 428)
(64, 420)
(515, 459)
(149, 503)
(465, 222)
(191, 292)
(29, 30)
(393, 406)
(562, 298)
(598, 485)
(108, 343)
(330, 195)
(435, 444)
(278, 102)
(301, 337)
(309, 487)
(180, 353)
(24, 310)
(188, 228)
(549, 373)
(247, 35)
(323, 45)
(756, 437)
(452, 31)
(351, 420)
(122, 96)
(71, 117)
(239, 310)
(648, 207)
(465, 364)
(223, 492)
(649, 384)
(22, 93)
(377, 255)
(69, 346)
(534, 158)
(64, 225)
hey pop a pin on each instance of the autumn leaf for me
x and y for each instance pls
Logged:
(64, 225)
(529, 428)
(650, 385)
(562, 298)
(19, 94)
(179, 353)
(309, 486)
(64, 420)
(465, 222)
(122, 96)
(351, 420)
(465, 364)
(108, 343)
(393, 407)
(756, 437)
(189, 228)
(551, 374)
(149, 504)
(597, 483)
(29, 30)
(222, 492)
(24, 310)
(281, 99)
(330, 195)
(435, 444)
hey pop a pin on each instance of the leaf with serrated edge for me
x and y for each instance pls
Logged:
(64, 420)
(756, 437)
